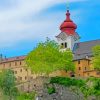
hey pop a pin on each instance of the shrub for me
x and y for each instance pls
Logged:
(51, 90)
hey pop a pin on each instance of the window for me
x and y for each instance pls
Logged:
(20, 70)
(85, 68)
(15, 72)
(88, 62)
(78, 61)
(62, 45)
(20, 63)
(26, 69)
(9, 64)
(65, 45)
(88, 74)
(98, 73)
(20, 78)
(15, 63)
(79, 68)
(25, 78)
(3, 65)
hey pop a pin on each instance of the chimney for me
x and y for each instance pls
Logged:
(5, 57)
(1, 57)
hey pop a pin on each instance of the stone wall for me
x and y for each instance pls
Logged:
(62, 93)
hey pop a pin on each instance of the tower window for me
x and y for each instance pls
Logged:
(62, 45)
(65, 45)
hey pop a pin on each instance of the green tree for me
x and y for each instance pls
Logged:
(47, 58)
(95, 86)
(7, 84)
(27, 96)
(96, 59)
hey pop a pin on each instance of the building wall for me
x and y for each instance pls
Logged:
(23, 74)
(82, 68)
(64, 38)
(19, 67)
(91, 73)
(81, 65)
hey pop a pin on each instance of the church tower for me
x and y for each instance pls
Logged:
(68, 36)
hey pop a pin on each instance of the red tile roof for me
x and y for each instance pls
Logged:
(17, 58)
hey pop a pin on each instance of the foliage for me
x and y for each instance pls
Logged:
(96, 59)
(93, 88)
(95, 85)
(26, 96)
(86, 91)
(7, 83)
(88, 87)
(47, 58)
(67, 81)
(51, 90)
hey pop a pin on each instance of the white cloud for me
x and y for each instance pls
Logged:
(13, 29)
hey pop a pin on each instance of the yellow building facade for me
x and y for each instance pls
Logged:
(21, 72)
(83, 68)
(17, 64)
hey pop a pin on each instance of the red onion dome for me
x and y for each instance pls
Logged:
(68, 26)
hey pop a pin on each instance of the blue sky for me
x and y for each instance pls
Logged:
(24, 23)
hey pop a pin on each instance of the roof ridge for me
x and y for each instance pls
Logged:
(16, 56)
(90, 41)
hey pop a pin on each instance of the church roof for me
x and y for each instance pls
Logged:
(83, 49)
